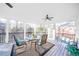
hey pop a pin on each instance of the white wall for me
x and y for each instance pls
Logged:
(77, 27)
(77, 22)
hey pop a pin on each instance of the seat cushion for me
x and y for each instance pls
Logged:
(40, 50)
(19, 42)
(47, 46)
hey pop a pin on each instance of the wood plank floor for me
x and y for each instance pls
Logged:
(58, 50)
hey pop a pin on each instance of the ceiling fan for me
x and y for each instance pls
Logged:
(9, 5)
(48, 18)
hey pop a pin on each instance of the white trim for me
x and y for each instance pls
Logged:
(7, 32)
(24, 31)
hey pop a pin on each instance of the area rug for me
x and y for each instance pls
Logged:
(39, 51)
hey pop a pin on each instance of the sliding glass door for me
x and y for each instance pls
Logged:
(66, 32)
(12, 29)
(19, 30)
(2, 30)
(16, 28)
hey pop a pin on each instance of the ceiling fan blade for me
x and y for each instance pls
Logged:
(51, 17)
(8, 4)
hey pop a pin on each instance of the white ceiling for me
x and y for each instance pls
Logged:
(34, 12)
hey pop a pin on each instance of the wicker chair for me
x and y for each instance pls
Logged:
(20, 48)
